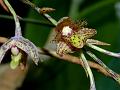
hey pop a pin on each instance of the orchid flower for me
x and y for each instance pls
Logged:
(74, 37)
(17, 43)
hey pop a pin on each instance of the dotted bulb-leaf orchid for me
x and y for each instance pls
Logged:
(17, 43)
(73, 36)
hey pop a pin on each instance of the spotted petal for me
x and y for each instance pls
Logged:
(63, 48)
(4, 48)
(77, 41)
(87, 33)
(28, 47)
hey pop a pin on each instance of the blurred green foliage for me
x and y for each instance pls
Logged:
(60, 75)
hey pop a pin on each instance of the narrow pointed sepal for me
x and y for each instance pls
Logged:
(88, 71)
(4, 48)
(103, 50)
(96, 42)
(113, 74)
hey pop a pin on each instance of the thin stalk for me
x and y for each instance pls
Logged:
(112, 73)
(53, 21)
(28, 20)
(88, 71)
(104, 51)
(17, 23)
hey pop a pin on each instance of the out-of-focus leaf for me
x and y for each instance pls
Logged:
(3, 5)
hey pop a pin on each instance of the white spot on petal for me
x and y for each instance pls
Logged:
(66, 30)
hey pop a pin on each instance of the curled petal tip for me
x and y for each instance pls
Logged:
(97, 42)
(36, 63)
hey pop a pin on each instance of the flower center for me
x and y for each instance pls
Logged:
(66, 31)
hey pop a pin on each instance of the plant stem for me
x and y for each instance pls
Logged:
(53, 21)
(17, 23)
(33, 21)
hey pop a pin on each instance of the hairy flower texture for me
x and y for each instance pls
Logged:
(70, 37)
(18, 43)
(74, 35)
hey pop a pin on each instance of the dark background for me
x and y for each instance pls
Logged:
(103, 15)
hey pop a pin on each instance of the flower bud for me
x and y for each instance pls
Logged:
(14, 51)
